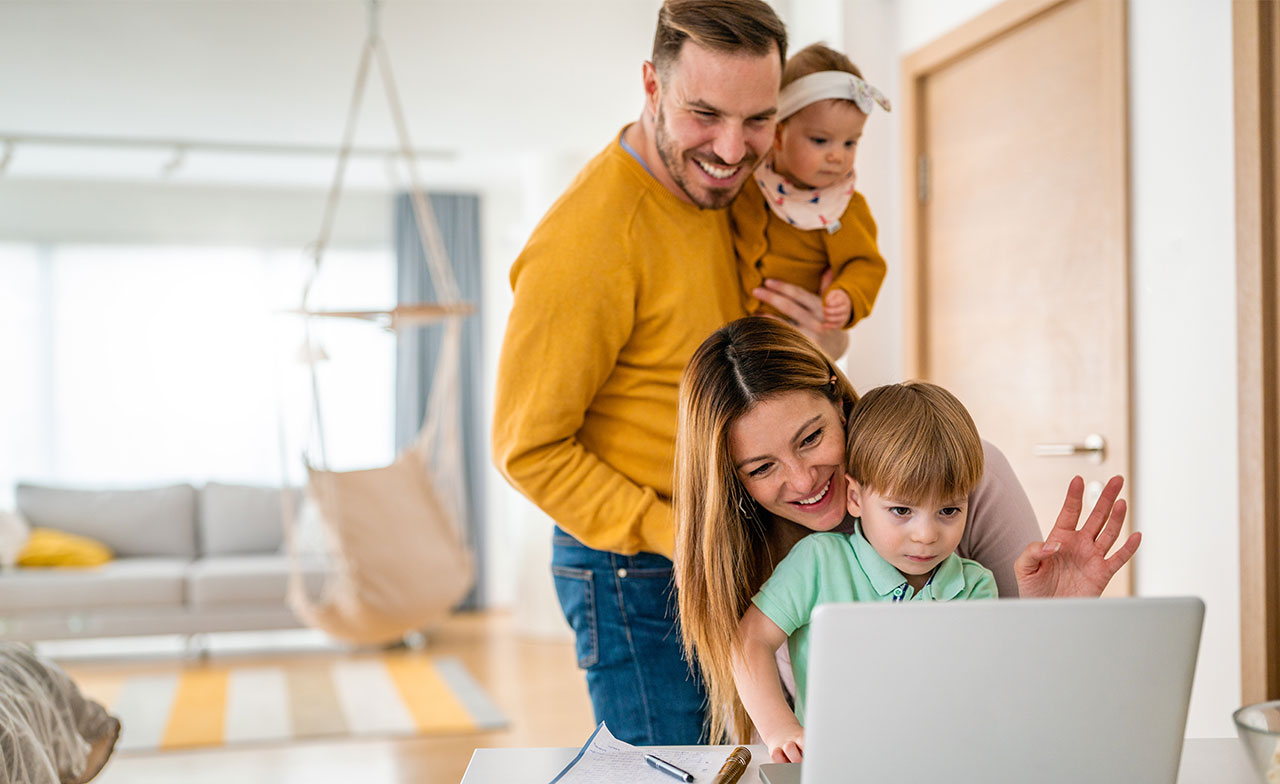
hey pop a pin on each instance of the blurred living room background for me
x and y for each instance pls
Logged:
(164, 167)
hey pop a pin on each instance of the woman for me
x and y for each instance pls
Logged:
(734, 526)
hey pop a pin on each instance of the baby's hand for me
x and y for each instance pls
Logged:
(788, 748)
(837, 308)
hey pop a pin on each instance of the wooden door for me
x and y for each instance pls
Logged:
(1018, 235)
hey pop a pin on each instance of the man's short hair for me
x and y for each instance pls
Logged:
(729, 26)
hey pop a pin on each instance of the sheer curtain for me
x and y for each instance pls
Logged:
(459, 218)
(145, 365)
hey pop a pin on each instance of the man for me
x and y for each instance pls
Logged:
(626, 275)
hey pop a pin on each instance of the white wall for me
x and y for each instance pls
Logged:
(1183, 263)
(870, 30)
(812, 21)
(1185, 470)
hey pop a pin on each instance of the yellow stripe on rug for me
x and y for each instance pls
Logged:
(199, 709)
(391, 694)
(430, 700)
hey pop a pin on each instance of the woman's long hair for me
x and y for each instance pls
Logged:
(723, 537)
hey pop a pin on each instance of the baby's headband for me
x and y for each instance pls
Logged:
(829, 84)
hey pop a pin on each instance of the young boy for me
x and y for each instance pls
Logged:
(913, 458)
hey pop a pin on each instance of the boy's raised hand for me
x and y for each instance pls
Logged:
(1074, 562)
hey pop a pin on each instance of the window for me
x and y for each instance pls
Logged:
(147, 365)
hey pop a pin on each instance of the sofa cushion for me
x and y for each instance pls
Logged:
(157, 522)
(239, 519)
(133, 582)
(249, 579)
(46, 547)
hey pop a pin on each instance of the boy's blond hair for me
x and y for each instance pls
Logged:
(915, 442)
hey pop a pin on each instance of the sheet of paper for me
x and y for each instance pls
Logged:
(606, 760)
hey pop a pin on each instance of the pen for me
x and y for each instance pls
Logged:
(734, 766)
(668, 768)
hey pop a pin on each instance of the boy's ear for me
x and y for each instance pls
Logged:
(854, 500)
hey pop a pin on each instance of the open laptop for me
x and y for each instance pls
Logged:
(1059, 690)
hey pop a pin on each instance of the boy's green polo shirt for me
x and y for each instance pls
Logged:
(826, 568)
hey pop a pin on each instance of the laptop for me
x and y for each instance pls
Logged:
(1050, 691)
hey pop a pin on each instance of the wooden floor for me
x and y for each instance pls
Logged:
(536, 684)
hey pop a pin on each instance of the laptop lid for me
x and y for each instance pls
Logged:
(1058, 690)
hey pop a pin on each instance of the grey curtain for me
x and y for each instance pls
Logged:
(417, 349)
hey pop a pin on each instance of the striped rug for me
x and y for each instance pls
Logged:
(212, 705)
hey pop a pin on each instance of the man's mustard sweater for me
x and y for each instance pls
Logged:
(616, 288)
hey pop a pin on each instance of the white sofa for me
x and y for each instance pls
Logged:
(187, 561)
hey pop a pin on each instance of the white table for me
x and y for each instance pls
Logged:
(1204, 761)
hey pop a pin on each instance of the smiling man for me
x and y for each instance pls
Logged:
(621, 281)
(708, 117)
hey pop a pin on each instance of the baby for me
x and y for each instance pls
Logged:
(913, 458)
(814, 219)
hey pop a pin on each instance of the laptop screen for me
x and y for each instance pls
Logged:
(1058, 690)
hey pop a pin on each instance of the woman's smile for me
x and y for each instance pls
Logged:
(815, 499)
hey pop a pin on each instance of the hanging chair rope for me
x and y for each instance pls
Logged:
(439, 433)
(433, 250)
(321, 242)
(428, 229)
(418, 499)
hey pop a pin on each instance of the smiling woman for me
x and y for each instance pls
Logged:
(760, 464)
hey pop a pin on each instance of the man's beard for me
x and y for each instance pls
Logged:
(709, 198)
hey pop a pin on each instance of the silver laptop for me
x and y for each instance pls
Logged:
(1060, 690)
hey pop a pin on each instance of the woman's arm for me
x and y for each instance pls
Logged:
(1001, 521)
(1074, 562)
(756, 676)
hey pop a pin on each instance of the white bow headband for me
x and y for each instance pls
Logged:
(829, 84)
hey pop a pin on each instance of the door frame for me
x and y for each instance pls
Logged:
(1256, 33)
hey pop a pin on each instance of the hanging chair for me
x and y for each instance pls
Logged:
(397, 556)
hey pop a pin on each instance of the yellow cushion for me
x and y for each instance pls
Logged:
(48, 547)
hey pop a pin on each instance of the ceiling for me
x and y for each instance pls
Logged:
(487, 85)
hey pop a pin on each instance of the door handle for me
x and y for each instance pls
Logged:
(1094, 447)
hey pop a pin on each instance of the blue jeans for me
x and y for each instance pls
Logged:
(623, 612)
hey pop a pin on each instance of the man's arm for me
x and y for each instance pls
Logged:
(561, 344)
